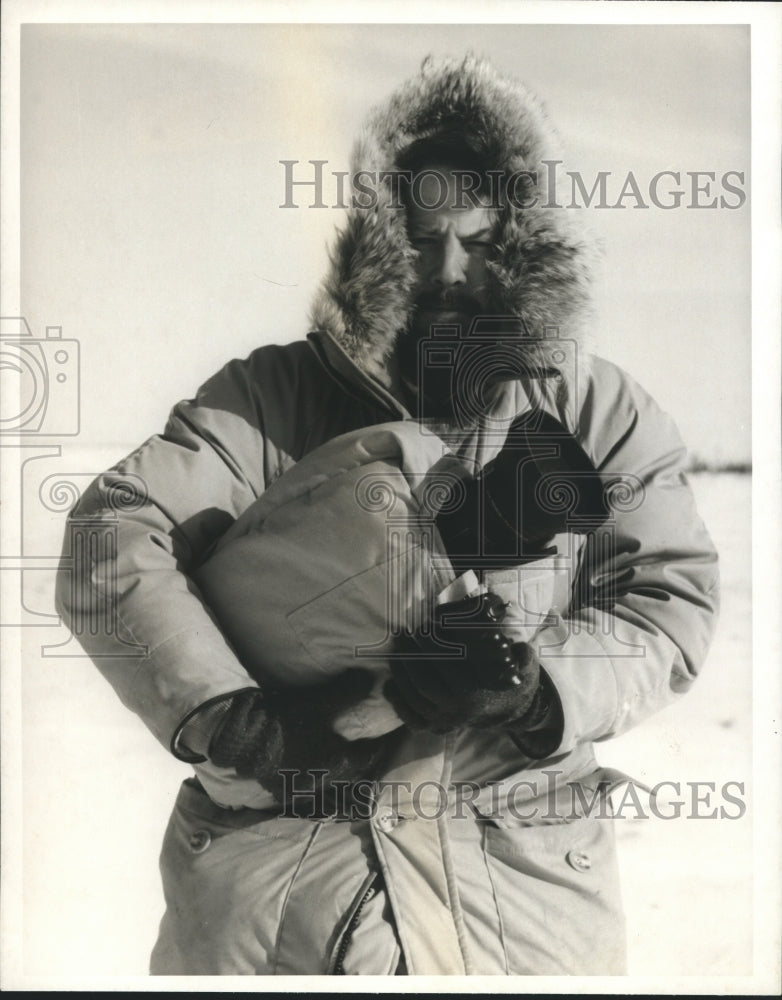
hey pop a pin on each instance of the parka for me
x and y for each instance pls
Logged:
(472, 858)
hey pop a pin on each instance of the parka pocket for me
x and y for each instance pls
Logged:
(556, 887)
(554, 874)
(227, 875)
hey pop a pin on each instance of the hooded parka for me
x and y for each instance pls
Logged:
(471, 858)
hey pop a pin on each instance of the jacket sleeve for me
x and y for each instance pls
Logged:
(645, 594)
(124, 587)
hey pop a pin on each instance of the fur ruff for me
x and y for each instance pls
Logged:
(542, 269)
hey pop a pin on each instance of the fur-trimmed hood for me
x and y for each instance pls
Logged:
(541, 271)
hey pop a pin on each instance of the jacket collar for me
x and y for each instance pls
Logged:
(475, 445)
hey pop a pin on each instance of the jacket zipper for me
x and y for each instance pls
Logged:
(351, 927)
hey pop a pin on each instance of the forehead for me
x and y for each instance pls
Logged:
(442, 197)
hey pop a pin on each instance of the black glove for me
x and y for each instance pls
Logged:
(246, 736)
(540, 484)
(493, 683)
(265, 732)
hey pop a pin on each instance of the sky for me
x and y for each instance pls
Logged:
(152, 230)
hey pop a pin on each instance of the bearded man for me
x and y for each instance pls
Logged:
(448, 330)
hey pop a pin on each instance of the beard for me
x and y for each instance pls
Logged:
(439, 365)
(452, 308)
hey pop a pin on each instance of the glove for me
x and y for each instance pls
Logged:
(265, 732)
(540, 484)
(494, 683)
(246, 736)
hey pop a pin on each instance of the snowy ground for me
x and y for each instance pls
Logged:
(98, 790)
(688, 882)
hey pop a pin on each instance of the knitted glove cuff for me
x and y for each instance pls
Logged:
(240, 735)
(190, 742)
(539, 731)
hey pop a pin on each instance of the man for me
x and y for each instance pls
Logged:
(451, 311)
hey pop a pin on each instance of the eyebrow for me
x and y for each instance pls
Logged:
(422, 229)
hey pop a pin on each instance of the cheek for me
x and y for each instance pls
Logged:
(478, 274)
(424, 266)
(424, 261)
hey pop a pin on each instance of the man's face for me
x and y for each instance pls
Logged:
(454, 243)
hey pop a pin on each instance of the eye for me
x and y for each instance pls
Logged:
(424, 241)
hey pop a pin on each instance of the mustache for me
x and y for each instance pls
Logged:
(450, 300)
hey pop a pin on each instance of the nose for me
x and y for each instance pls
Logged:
(450, 269)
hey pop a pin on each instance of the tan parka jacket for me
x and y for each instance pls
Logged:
(473, 883)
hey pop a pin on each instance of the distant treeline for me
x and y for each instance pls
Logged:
(698, 464)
